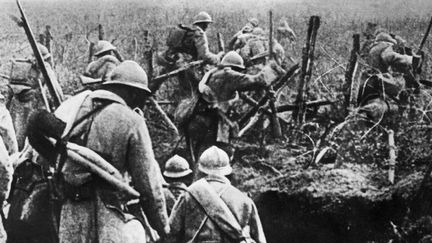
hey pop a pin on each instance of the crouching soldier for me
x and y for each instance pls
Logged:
(247, 29)
(178, 176)
(106, 60)
(211, 123)
(212, 210)
(387, 84)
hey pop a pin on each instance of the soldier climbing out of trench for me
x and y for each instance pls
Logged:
(384, 86)
(210, 121)
(256, 44)
(187, 44)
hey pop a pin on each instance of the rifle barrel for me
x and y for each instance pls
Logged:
(56, 97)
(423, 42)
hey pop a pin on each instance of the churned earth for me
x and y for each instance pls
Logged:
(353, 203)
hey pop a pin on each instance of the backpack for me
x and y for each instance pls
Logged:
(180, 39)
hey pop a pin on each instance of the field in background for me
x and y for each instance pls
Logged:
(127, 20)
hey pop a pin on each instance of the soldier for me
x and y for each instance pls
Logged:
(371, 32)
(212, 210)
(103, 120)
(178, 175)
(211, 121)
(247, 29)
(253, 44)
(285, 32)
(7, 131)
(8, 146)
(256, 43)
(186, 44)
(382, 85)
(29, 92)
(106, 61)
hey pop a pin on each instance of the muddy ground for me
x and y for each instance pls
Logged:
(353, 203)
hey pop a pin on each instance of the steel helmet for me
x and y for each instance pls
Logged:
(103, 46)
(385, 37)
(131, 74)
(254, 22)
(214, 161)
(258, 31)
(233, 59)
(176, 167)
(202, 17)
(379, 31)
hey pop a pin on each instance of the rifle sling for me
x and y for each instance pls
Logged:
(216, 210)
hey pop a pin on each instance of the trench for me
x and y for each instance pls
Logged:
(301, 218)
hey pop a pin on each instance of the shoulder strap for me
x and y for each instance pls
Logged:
(87, 117)
(204, 90)
(216, 209)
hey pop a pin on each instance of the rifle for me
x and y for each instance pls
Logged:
(277, 131)
(157, 81)
(4, 76)
(422, 43)
(307, 65)
(164, 115)
(258, 58)
(221, 44)
(40, 62)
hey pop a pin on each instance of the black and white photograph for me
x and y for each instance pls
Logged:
(215, 121)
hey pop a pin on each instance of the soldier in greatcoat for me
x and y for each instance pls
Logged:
(212, 210)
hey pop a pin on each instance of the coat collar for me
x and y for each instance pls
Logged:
(178, 185)
(218, 178)
(107, 95)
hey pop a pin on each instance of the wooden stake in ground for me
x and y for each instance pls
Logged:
(307, 65)
(392, 156)
(277, 131)
(101, 32)
(351, 87)
(48, 37)
(221, 43)
(148, 54)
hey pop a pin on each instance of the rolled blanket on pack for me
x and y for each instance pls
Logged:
(45, 128)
